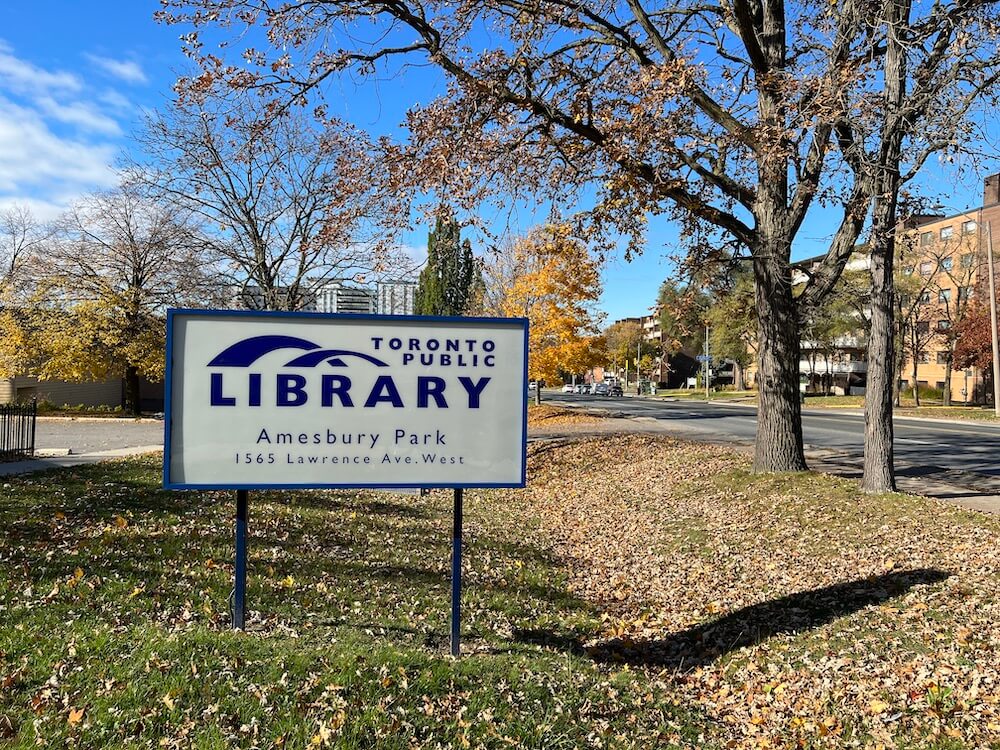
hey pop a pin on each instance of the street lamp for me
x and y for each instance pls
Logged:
(993, 322)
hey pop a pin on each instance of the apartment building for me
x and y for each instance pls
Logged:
(943, 268)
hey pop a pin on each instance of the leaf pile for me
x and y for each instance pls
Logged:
(792, 609)
(545, 416)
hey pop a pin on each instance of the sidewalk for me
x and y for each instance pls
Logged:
(43, 463)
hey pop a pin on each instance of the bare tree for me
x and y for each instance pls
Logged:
(295, 204)
(118, 260)
(21, 236)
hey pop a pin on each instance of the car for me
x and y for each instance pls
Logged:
(531, 385)
(581, 388)
(567, 388)
(615, 390)
(600, 389)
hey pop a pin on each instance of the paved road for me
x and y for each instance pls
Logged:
(92, 436)
(89, 441)
(922, 447)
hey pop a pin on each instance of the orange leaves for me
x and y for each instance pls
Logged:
(556, 289)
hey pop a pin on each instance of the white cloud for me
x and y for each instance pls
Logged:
(83, 115)
(59, 136)
(124, 70)
(35, 160)
(22, 77)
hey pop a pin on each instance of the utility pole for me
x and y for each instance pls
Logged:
(993, 321)
(638, 356)
(707, 363)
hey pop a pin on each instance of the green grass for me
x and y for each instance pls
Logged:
(698, 394)
(114, 625)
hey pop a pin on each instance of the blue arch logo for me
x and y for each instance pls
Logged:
(244, 353)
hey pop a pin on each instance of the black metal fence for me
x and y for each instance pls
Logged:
(17, 430)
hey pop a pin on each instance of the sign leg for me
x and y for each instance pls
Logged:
(240, 587)
(456, 576)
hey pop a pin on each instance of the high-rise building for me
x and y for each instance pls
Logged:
(338, 297)
(395, 297)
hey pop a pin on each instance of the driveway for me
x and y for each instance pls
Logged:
(94, 435)
(70, 442)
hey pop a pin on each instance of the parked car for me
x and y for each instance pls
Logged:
(600, 389)
(582, 388)
(567, 388)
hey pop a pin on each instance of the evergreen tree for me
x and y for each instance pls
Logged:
(448, 283)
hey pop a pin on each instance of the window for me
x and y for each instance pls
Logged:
(922, 358)
(923, 326)
(943, 325)
(925, 297)
(947, 232)
(966, 260)
(942, 358)
(944, 295)
(964, 293)
(946, 264)
(926, 238)
(968, 227)
(939, 385)
(926, 268)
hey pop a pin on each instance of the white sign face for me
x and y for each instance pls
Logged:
(299, 400)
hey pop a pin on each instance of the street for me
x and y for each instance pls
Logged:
(922, 447)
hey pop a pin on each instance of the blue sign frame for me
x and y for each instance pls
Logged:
(168, 396)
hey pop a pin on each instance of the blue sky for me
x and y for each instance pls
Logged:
(76, 76)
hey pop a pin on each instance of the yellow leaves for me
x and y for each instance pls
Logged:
(168, 701)
(556, 289)
(288, 582)
(877, 706)
(75, 716)
(120, 522)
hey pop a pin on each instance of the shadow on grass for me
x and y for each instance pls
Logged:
(703, 644)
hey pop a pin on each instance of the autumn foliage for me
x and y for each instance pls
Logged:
(974, 345)
(556, 286)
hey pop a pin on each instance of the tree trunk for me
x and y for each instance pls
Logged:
(779, 415)
(738, 382)
(132, 401)
(916, 363)
(878, 471)
(946, 396)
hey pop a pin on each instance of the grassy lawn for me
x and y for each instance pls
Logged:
(674, 601)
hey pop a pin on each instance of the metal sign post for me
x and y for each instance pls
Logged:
(240, 584)
(456, 575)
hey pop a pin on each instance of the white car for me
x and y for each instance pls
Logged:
(568, 388)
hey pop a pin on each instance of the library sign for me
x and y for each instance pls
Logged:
(300, 400)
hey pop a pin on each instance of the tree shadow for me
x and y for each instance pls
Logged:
(701, 645)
